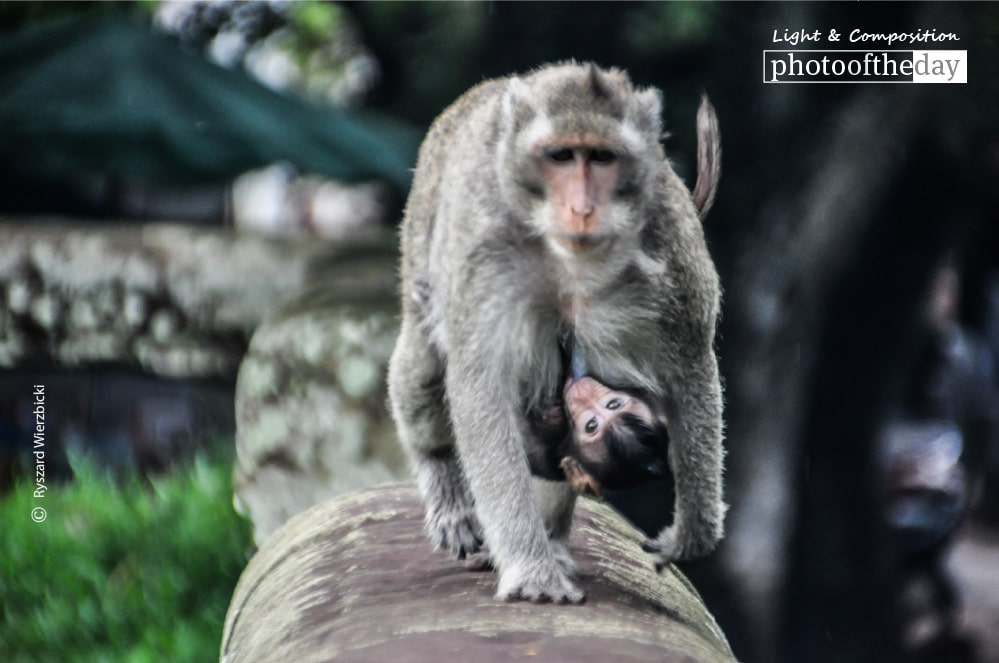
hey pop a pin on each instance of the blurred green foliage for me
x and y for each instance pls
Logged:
(314, 21)
(120, 570)
(656, 28)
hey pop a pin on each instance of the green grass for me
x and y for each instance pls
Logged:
(120, 570)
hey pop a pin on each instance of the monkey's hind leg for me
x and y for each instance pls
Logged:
(416, 392)
(450, 510)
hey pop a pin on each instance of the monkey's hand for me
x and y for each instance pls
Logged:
(677, 543)
(538, 584)
(581, 481)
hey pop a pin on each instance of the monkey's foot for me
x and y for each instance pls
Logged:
(548, 583)
(459, 533)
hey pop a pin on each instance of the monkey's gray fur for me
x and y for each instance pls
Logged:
(489, 298)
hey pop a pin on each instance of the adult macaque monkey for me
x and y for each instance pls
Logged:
(543, 209)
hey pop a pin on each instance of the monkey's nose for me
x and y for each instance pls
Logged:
(583, 222)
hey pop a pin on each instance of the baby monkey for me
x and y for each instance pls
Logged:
(600, 437)
(597, 437)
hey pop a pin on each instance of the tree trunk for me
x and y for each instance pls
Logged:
(355, 579)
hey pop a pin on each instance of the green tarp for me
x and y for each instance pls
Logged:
(110, 96)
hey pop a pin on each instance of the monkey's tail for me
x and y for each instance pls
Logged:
(708, 157)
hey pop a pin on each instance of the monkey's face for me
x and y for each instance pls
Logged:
(582, 152)
(580, 174)
(593, 408)
(587, 197)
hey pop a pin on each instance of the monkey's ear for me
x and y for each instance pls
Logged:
(516, 99)
(600, 87)
(647, 110)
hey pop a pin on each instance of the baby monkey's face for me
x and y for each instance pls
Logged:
(616, 440)
(593, 407)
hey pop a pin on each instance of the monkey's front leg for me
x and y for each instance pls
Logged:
(489, 434)
(695, 454)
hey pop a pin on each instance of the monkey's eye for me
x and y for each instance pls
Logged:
(614, 404)
(560, 155)
(591, 425)
(602, 156)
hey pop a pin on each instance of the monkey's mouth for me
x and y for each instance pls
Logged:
(581, 243)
